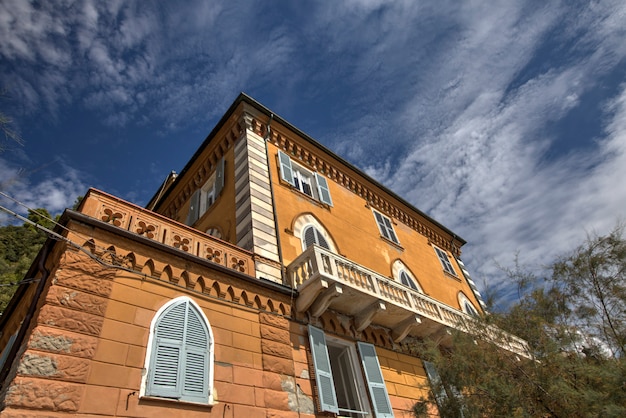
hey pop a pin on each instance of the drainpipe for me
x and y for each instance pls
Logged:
(28, 318)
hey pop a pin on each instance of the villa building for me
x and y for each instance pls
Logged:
(269, 278)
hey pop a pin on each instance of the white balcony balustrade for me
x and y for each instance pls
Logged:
(326, 280)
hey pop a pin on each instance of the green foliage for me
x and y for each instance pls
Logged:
(6, 127)
(574, 324)
(18, 247)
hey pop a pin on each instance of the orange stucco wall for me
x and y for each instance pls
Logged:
(353, 228)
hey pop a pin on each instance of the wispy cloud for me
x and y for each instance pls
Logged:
(452, 104)
(53, 194)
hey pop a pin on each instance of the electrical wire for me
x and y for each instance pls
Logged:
(117, 260)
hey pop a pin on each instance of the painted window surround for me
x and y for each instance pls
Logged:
(180, 353)
(307, 182)
(329, 379)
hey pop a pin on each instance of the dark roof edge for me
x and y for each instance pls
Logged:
(243, 97)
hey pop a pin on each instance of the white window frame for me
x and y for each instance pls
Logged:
(445, 261)
(302, 222)
(398, 269)
(319, 238)
(299, 177)
(188, 356)
(214, 232)
(206, 196)
(404, 276)
(466, 305)
(385, 227)
(328, 377)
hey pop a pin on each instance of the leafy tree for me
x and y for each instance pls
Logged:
(573, 322)
(5, 126)
(18, 247)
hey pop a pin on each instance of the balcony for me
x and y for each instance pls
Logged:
(142, 222)
(329, 281)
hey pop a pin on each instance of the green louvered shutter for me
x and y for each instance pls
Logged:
(323, 372)
(219, 177)
(323, 190)
(196, 370)
(375, 382)
(286, 171)
(166, 362)
(194, 208)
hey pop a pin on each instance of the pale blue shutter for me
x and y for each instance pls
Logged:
(194, 208)
(286, 171)
(323, 372)
(375, 381)
(196, 370)
(323, 190)
(381, 225)
(179, 367)
(219, 177)
(166, 363)
(435, 383)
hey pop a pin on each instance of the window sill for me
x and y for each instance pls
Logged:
(306, 196)
(452, 276)
(157, 399)
(395, 244)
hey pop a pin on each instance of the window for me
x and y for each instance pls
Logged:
(307, 182)
(406, 280)
(180, 354)
(435, 383)
(445, 261)
(310, 231)
(339, 378)
(203, 198)
(312, 235)
(441, 390)
(214, 232)
(402, 274)
(386, 227)
(466, 305)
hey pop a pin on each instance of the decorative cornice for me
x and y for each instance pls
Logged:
(317, 163)
(194, 180)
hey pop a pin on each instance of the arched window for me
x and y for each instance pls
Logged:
(180, 354)
(311, 236)
(402, 274)
(466, 305)
(406, 280)
(310, 231)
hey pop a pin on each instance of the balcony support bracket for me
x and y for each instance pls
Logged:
(364, 318)
(323, 301)
(309, 293)
(443, 336)
(403, 328)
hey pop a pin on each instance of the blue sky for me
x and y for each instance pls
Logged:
(505, 121)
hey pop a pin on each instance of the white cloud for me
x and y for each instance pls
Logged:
(443, 102)
(484, 171)
(53, 194)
